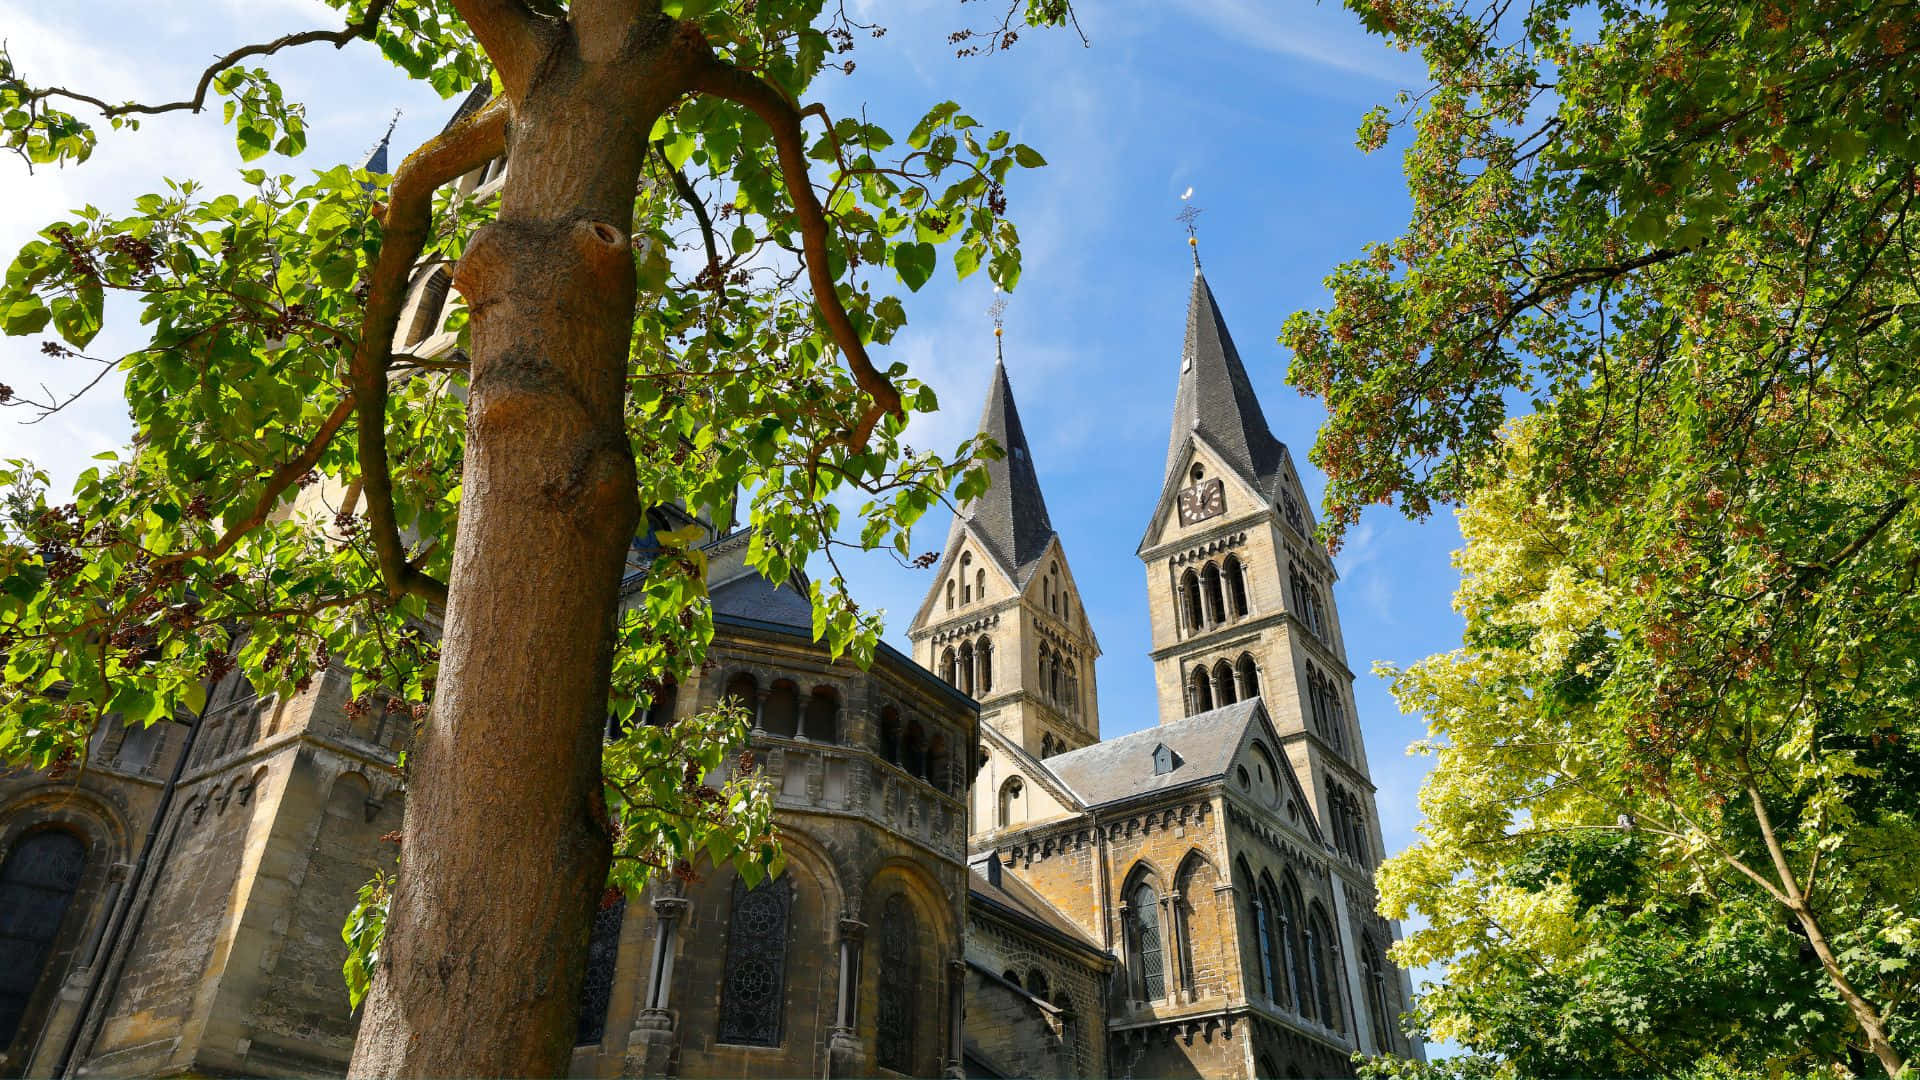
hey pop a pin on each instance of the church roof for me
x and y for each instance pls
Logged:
(1216, 399)
(1003, 890)
(1203, 747)
(1011, 516)
(751, 596)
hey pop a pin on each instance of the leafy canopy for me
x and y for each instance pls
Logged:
(241, 535)
(1678, 237)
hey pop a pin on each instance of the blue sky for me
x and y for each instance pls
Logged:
(1252, 103)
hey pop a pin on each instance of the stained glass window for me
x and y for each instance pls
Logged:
(603, 949)
(753, 990)
(36, 886)
(898, 985)
(1150, 983)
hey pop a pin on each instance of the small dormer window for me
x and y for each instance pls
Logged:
(1164, 760)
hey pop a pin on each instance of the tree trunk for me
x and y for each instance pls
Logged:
(506, 846)
(1865, 1014)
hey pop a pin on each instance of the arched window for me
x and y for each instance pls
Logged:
(753, 986)
(1317, 943)
(964, 667)
(1149, 984)
(665, 700)
(1236, 582)
(913, 756)
(36, 888)
(781, 714)
(1249, 677)
(744, 691)
(1037, 984)
(603, 949)
(949, 670)
(1223, 688)
(1190, 597)
(1010, 800)
(1263, 935)
(983, 656)
(1046, 745)
(890, 734)
(1379, 1006)
(899, 986)
(1053, 677)
(1202, 692)
(966, 573)
(823, 716)
(949, 594)
(980, 584)
(1072, 690)
(939, 764)
(432, 305)
(1216, 603)
(1290, 948)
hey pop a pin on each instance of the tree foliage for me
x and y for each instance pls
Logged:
(290, 499)
(1679, 238)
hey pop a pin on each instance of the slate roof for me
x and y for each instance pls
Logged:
(1011, 517)
(1216, 399)
(1018, 897)
(1118, 768)
(751, 596)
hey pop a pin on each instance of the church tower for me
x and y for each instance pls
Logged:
(1003, 621)
(1240, 592)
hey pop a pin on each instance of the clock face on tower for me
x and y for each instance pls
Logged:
(1202, 500)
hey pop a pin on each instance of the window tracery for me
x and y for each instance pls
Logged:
(603, 950)
(898, 986)
(753, 985)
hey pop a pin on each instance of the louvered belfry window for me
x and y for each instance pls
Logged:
(753, 990)
(898, 983)
(36, 887)
(1151, 983)
(603, 949)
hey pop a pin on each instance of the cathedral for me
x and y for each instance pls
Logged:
(977, 883)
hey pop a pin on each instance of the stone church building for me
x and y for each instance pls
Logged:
(977, 884)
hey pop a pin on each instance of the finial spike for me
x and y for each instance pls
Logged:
(1190, 217)
(997, 311)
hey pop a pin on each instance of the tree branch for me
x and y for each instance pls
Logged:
(711, 75)
(513, 36)
(461, 148)
(362, 27)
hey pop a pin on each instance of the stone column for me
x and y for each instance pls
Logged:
(1173, 947)
(843, 1045)
(650, 1047)
(956, 1019)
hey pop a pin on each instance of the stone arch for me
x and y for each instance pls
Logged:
(980, 584)
(821, 722)
(1322, 966)
(966, 574)
(40, 876)
(1224, 690)
(892, 732)
(743, 690)
(983, 656)
(950, 592)
(1292, 913)
(1190, 602)
(1199, 691)
(780, 713)
(1144, 932)
(1216, 603)
(1248, 674)
(1012, 802)
(963, 662)
(920, 998)
(1193, 906)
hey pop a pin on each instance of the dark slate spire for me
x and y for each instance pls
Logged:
(1216, 398)
(1012, 516)
(376, 162)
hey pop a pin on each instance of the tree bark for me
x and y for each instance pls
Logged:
(506, 849)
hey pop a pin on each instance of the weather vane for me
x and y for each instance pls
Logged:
(997, 312)
(1190, 216)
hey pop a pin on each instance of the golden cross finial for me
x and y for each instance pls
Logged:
(1190, 216)
(997, 312)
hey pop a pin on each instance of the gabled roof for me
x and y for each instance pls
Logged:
(1014, 897)
(1204, 744)
(1010, 518)
(1216, 399)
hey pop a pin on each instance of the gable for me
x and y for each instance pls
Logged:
(1270, 781)
(1043, 575)
(1241, 497)
(965, 547)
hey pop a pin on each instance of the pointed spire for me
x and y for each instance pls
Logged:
(1011, 516)
(376, 162)
(1216, 398)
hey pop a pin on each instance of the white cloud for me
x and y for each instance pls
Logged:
(1322, 33)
